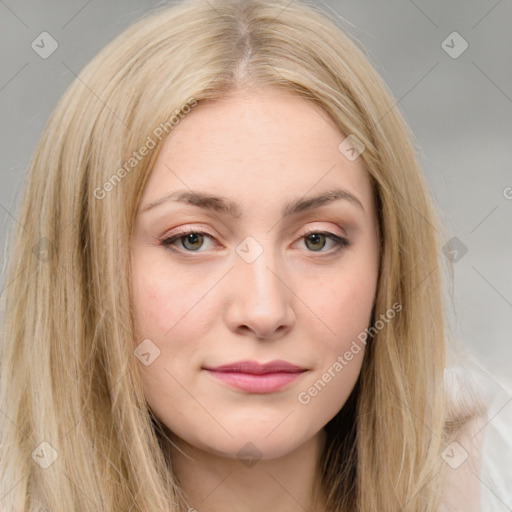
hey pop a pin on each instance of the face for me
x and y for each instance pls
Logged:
(255, 241)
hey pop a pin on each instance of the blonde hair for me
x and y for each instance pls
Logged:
(69, 376)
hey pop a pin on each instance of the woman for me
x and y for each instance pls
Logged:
(172, 341)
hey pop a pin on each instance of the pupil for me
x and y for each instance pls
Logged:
(193, 238)
(315, 238)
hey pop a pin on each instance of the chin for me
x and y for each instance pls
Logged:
(252, 444)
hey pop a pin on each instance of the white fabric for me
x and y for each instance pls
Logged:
(496, 475)
(496, 449)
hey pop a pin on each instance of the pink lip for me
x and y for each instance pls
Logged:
(255, 377)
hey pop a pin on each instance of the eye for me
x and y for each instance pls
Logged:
(190, 240)
(316, 241)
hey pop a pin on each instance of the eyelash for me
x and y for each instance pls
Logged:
(340, 242)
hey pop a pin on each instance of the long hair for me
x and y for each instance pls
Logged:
(76, 430)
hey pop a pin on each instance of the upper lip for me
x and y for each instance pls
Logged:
(256, 368)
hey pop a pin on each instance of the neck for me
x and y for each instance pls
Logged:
(212, 483)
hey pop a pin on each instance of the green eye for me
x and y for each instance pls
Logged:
(194, 239)
(191, 241)
(317, 241)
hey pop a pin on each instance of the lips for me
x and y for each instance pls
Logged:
(254, 377)
(255, 368)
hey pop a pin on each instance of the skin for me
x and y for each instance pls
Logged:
(299, 300)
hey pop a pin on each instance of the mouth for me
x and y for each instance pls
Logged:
(254, 377)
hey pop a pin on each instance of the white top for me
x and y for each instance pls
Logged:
(487, 467)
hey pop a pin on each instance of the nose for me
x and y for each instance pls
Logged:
(260, 299)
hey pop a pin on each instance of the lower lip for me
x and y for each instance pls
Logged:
(263, 383)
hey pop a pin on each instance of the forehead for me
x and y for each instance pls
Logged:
(264, 144)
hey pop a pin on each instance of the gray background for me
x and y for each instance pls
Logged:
(460, 110)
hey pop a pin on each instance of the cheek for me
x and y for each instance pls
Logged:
(149, 304)
(340, 354)
(324, 396)
(343, 306)
(169, 311)
(154, 297)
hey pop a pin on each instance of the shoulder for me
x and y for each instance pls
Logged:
(463, 463)
(465, 426)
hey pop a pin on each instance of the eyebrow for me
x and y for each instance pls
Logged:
(225, 205)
